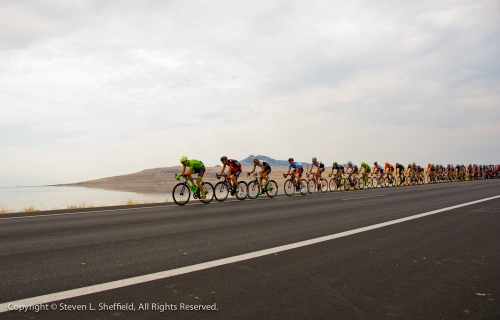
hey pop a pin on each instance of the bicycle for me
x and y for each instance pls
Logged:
(379, 180)
(315, 185)
(182, 191)
(223, 188)
(255, 189)
(291, 185)
(336, 183)
(352, 182)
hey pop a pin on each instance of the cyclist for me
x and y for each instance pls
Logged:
(389, 169)
(320, 168)
(265, 170)
(297, 171)
(400, 169)
(364, 170)
(232, 173)
(378, 169)
(431, 170)
(195, 166)
(352, 170)
(340, 170)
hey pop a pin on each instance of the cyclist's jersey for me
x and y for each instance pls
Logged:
(420, 169)
(379, 168)
(262, 164)
(295, 165)
(389, 166)
(195, 164)
(366, 166)
(318, 164)
(400, 167)
(233, 163)
(353, 167)
(339, 168)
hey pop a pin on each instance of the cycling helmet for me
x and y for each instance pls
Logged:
(363, 163)
(255, 159)
(184, 158)
(314, 159)
(335, 163)
(349, 163)
(290, 159)
(375, 163)
(223, 158)
(413, 163)
(409, 165)
(397, 163)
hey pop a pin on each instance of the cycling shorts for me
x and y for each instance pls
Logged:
(390, 169)
(267, 171)
(298, 171)
(236, 171)
(200, 171)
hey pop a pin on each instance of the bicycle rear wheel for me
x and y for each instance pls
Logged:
(221, 191)
(209, 192)
(242, 191)
(272, 189)
(253, 189)
(181, 194)
(289, 187)
(347, 184)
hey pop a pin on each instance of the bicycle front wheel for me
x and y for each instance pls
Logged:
(272, 189)
(311, 185)
(242, 191)
(253, 189)
(324, 185)
(289, 187)
(181, 194)
(221, 191)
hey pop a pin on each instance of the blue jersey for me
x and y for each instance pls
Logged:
(340, 168)
(295, 165)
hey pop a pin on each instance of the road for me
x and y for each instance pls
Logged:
(444, 265)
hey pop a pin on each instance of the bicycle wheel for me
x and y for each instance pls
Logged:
(242, 191)
(253, 189)
(347, 184)
(272, 189)
(311, 185)
(303, 187)
(369, 182)
(332, 184)
(289, 187)
(209, 192)
(181, 194)
(361, 183)
(324, 185)
(221, 191)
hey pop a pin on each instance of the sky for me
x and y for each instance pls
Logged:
(92, 89)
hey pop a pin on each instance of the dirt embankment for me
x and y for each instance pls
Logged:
(162, 180)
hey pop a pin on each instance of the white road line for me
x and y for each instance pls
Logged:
(4, 307)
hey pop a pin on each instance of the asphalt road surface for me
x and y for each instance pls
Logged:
(444, 265)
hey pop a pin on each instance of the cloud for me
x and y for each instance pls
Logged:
(96, 80)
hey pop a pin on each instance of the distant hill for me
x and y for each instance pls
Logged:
(273, 162)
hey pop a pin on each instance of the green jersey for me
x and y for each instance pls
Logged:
(195, 164)
(367, 167)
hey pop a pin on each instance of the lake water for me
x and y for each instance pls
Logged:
(59, 197)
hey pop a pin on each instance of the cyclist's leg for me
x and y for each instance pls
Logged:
(200, 173)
